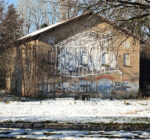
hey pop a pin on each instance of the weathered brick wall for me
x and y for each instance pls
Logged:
(69, 60)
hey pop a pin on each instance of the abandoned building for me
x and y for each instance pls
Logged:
(87, 54)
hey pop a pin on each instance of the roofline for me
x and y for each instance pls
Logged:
(51, 27)
(33, 36)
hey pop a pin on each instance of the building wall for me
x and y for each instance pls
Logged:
(81, 59)
(70, 60)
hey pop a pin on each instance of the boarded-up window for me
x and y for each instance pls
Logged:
(126, 59)
(105, 58)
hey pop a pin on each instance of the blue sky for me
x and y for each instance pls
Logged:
(11, 1)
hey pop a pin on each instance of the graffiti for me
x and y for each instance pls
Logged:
(65, 86)
(87, 60)
(77, 57)
(104, 85)
(96, 86)
(121, 86)
(81, 86)
(85, 86)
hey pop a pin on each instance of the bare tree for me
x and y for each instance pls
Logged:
(38, 12)
(35, 13)
(132, 14)
(68, 8)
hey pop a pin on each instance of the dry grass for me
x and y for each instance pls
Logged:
(132, 112)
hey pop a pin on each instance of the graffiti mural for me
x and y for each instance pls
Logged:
(86, 64)
(84, 55)
(105, 87)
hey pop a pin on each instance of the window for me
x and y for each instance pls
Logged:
(126, 59)
(105, 58)
(126, 44)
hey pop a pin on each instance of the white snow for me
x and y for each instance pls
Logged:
(49, 134)
(69, 110)
(41, 30)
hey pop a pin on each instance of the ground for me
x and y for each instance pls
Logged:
(70, 110)
(32, 134)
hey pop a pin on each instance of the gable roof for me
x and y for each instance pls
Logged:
(86, 14)
(33, 34)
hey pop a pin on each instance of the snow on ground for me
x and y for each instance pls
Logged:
(49, 134)
(70, 110)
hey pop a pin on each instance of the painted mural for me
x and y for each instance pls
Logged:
(86, 62)
(86, 54)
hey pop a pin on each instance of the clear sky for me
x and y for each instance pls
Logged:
(11, 1)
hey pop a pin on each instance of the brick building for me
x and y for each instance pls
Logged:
(87, 54)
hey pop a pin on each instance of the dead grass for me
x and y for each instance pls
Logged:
(143, 98)
(132, 112)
